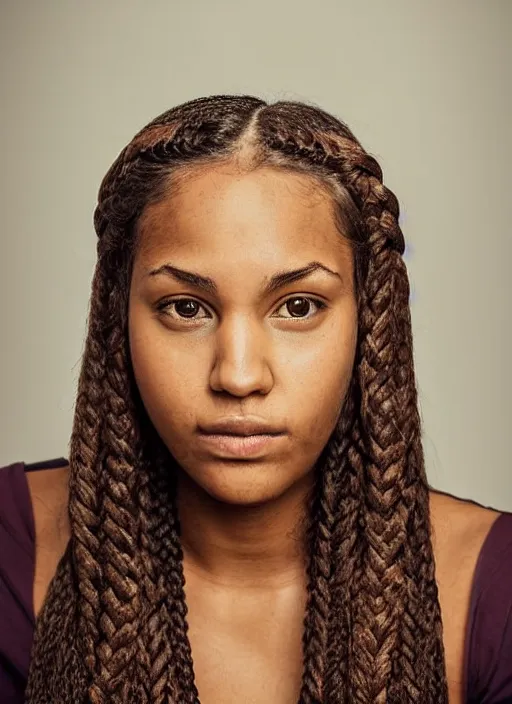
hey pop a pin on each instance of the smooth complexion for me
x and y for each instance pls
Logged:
(284, 356)
(231, 341)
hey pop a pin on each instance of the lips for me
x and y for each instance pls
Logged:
(240, 436)
(239, 445)
(241, 425)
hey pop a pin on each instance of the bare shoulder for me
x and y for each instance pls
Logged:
(459, 530)
(45, 481)
(48, 490)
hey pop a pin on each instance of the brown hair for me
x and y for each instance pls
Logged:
(113, 627)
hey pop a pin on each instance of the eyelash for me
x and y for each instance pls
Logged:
(169, 302)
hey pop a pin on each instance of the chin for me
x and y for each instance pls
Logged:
(244, 483)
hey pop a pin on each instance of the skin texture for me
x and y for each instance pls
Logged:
(243, 355)
(247, 355)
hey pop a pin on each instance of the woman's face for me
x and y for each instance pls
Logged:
(230, 346)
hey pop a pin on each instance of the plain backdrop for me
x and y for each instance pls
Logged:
(424, 85)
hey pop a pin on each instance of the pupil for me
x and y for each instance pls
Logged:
(300, 309)
(184, 304)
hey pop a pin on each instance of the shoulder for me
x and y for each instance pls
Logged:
(459, 530)
(33, 509)
(49, 491)
(473, 554)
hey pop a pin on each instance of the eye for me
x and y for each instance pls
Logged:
(299, 305)
(187, 308)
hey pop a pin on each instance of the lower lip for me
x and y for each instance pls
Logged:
(240, 445)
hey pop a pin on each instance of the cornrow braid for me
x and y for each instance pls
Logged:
(113, 628)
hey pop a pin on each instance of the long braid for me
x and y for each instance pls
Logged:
(178, 624)
(390, 412)
(120, 600)
(319, 543)
(346, 550)
(372, 628)
(170, 561)
(154, 654)
(164, 650)
(322, 663)
(66, 618)
(425, 615)
(85, 453)
(382, 593)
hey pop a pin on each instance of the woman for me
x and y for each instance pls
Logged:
(246, 516)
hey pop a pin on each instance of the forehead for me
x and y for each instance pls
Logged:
(219, 212)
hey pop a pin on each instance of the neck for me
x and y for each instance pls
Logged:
(240, 546)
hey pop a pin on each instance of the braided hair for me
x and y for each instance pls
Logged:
(113, 627)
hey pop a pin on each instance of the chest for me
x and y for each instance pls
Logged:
(247, 649)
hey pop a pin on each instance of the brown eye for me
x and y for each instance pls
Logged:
(181, 309)
(300, 307)
(186, 307)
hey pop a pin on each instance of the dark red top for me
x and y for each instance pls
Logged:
(488, 650)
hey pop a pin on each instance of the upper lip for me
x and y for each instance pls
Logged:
(241, 425)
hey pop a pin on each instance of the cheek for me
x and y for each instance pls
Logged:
(168, 380)
(320, 380)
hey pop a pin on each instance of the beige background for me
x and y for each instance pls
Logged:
(424, 85)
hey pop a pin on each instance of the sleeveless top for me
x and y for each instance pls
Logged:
(488, 641)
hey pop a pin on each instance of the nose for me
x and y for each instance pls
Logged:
(241, 366)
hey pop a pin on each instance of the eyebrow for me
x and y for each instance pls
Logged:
(278, 280)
